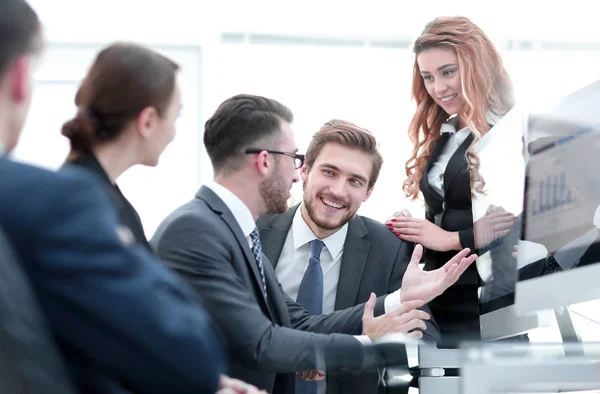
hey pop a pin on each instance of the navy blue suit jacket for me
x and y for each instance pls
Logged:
(123, 322)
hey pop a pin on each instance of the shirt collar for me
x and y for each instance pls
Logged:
(240, 211)
(302, 234)
(450, 125)
(2, 149)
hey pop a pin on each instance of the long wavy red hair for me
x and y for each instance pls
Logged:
(486, 86)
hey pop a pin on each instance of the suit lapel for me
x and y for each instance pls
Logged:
(219, 207)
(354, 259)
(424, 185)
(457, 163)
(273, 237)
(436, 151)
(277, 305)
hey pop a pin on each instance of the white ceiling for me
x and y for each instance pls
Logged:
(191, 21)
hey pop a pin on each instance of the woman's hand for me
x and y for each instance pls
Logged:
(229, 385)
(423, 232)
(496, 224)
(312, 376)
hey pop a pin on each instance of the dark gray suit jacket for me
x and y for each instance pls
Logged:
(374, 260)
(203, 242)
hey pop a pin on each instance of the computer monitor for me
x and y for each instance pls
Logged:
(501, 161)
(561, 205)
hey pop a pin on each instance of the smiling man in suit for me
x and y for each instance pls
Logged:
(358, 256)
(213, 243)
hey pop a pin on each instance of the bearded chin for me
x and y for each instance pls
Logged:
(274, 194)
(274, 206)
(325, 225)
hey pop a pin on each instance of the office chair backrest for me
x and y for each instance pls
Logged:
(30, 362)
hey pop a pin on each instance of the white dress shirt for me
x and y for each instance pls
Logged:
(240, 211)
(435, 177)
(294, 260)
(295, 255)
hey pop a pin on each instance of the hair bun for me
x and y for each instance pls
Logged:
(81, 131)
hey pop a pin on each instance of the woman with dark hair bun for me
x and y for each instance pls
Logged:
(128, 104)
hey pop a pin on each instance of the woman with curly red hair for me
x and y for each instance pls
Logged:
(461, 90)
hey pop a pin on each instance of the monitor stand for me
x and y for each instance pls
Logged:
(568, 332)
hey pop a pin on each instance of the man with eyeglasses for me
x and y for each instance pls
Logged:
(212, 242)
(298, 158)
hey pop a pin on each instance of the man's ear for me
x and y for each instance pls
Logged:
(368, 195)
(304, 172)
(20, 86)
(262, 163)
(146, 121)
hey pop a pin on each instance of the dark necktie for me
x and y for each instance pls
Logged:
(310, 296)
(310, 293)
(551, 266)
(257, 251)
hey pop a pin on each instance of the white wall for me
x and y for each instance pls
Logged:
(155, 192)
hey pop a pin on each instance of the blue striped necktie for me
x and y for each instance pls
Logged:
(257, 251)
(551, 266)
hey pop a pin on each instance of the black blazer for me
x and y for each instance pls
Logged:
(374, 260)
(457, 310)
(128, 216)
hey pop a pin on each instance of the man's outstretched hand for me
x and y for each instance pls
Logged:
(406, 319)
(426, 285)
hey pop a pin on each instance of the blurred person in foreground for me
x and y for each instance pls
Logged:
(123, 323)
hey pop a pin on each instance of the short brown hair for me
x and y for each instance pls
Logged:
(20, 32)
(347, 134)
(124, 79)
(239, 123)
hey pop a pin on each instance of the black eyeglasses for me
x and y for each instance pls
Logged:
(298, 159)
